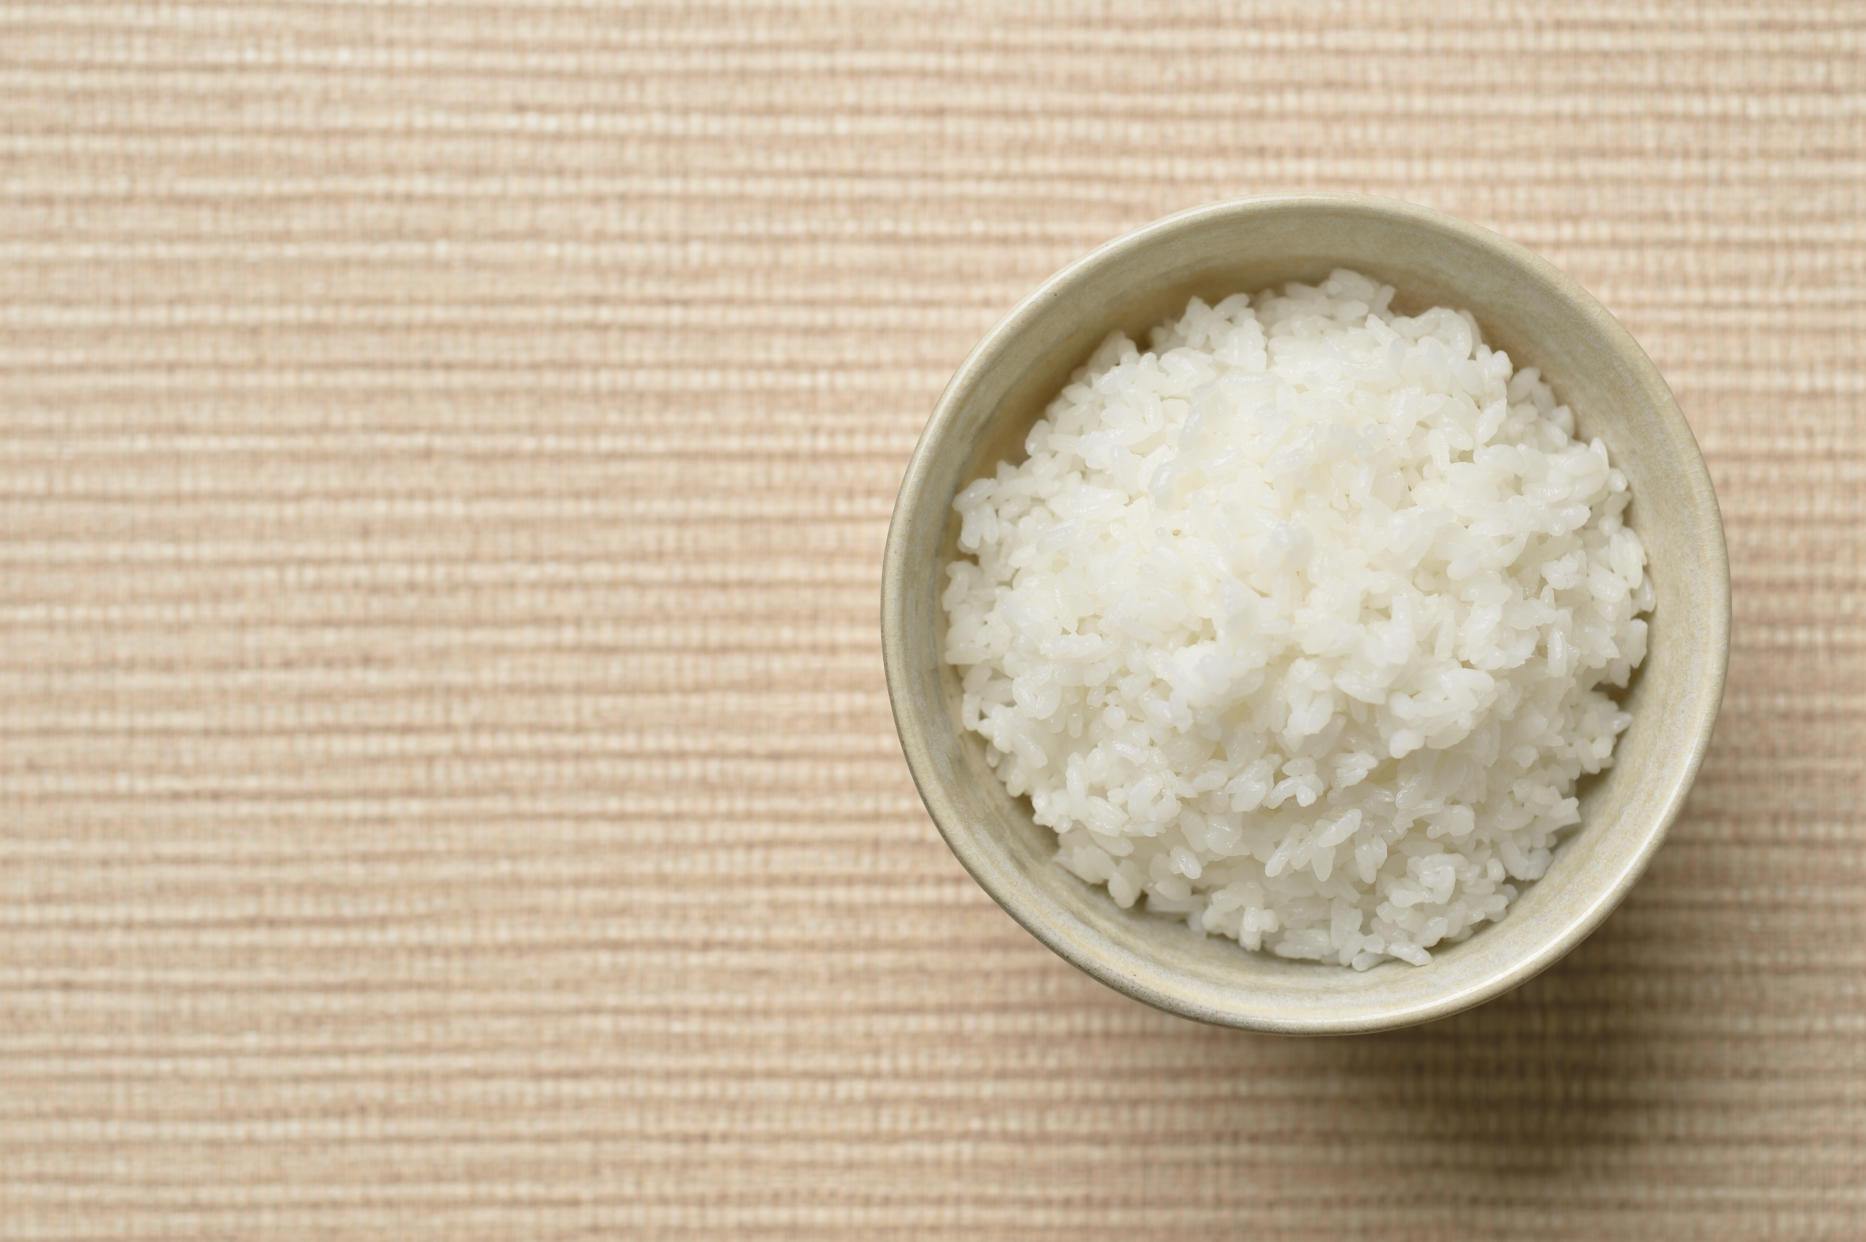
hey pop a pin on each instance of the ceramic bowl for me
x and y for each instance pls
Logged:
(1525, 306)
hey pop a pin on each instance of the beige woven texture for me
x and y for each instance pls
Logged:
(448, 785)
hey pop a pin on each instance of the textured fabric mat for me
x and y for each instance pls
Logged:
(448, 787)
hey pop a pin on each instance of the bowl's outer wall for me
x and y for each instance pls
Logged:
(1524, 307)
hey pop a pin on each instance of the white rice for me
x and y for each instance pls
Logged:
(1296, 625)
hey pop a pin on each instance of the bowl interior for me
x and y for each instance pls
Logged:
(1525, 307)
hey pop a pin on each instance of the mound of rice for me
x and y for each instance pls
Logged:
(1297, 624)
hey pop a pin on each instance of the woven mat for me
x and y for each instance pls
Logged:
(448, 785)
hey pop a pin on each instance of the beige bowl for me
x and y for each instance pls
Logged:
(1526, 307)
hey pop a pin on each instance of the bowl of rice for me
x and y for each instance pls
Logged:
(1306, 614)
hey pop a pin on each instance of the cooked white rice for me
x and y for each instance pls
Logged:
(1296, 624)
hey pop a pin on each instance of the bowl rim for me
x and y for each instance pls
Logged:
(1091, 953)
